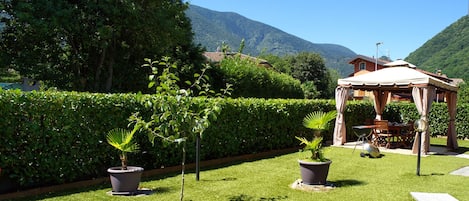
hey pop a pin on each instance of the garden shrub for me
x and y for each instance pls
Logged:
(252, 81)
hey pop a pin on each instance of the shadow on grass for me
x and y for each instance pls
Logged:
(65, 193)
(222, 179)
(244, 197)
(432, 174)
(158, 190)
(347, 182)
(210, 166)
(459, 150)
(140, 192)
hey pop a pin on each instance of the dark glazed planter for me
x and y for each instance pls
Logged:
(125, 182)
(314, 173)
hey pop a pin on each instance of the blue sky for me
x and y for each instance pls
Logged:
(401, 25)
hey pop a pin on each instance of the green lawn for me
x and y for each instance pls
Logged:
(391, 177)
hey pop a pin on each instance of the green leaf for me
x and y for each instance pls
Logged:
(122, 140)
(151, 84)
(319, 120)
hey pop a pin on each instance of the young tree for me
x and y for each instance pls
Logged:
(95, 45)
(177, 115)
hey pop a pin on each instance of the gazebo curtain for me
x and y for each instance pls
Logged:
(381, 98)
(451, 99)
(423, 98)
(341, 95)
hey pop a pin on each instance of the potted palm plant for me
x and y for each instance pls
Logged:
(124, 179)
(315, 167)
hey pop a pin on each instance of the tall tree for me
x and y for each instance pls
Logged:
(94, 45)
(310, 67)
(280, 64)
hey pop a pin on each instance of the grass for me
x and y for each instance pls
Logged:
(391, 177)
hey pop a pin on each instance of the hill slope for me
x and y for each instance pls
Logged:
(211, 28)
(447, 51)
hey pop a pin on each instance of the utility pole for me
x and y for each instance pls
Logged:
(376, 62)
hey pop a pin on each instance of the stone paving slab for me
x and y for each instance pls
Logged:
(299, 185)
(461, 171)
(421, 196)
(358, 146)
(466, 156)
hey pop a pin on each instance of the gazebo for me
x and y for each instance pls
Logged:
(423, 88)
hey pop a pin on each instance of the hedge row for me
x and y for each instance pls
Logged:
(49, 138)
(57, 137)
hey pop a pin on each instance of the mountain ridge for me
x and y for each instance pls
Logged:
(447, 51)
(212, 28)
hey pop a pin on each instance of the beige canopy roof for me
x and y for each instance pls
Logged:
(399, 62)
(395, 77)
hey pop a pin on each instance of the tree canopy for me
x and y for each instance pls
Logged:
(96, 46)
(310, 67)
(317, 80)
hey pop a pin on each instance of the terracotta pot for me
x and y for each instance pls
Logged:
(314, 173)
(125, 182)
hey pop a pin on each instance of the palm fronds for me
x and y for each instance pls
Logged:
(122, 140)
(318, 120)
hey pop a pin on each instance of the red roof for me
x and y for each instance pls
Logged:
(370, 59)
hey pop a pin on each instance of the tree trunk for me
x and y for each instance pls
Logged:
(124, 161)
(183, 169)
(110, 69)
(98, 69)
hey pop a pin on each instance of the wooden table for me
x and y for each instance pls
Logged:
(401, 134)
(398, 134)
(365, 131)
(397, 128)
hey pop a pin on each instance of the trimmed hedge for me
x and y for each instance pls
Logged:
(254, 125)
(50, 138)
(57, 137)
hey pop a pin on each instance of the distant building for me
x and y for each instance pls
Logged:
(363, 64)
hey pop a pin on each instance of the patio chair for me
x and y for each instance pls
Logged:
(382, 136)
(408, 135)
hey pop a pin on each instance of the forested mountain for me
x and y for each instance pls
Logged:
(448, 51)
(212, 28)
